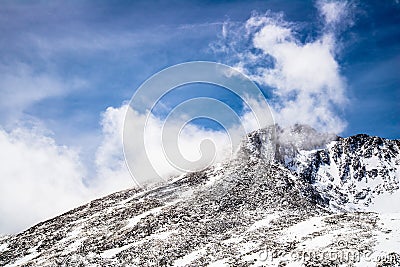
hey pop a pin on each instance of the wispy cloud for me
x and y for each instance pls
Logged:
(21, 87)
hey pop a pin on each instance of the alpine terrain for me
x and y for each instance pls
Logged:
(305, 199)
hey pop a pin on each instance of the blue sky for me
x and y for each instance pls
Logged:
(110, 49)
(66, 68)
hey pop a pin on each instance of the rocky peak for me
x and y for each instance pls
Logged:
(278, 144)
(349, 172)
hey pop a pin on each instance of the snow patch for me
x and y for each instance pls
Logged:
(263, 222)
(303, 229)
(3, 247)
(110, 253)
(219, 263)
(187, 259)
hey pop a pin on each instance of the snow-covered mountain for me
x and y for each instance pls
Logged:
(355, 173)
(291, 197)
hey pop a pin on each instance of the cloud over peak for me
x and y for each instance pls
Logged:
(302, 76)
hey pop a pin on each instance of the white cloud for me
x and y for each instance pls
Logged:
(271, 35)
(304, 76)
(38, 179)
(333, 11)
(111, 171)
(174, 145)
(152, 164)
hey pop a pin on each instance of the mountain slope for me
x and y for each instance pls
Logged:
(274, 204)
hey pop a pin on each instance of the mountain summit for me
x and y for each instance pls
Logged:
(291, 197)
